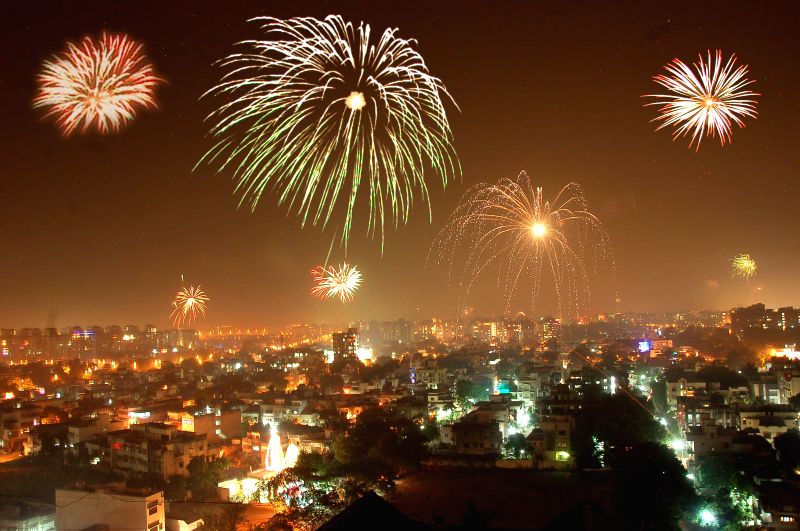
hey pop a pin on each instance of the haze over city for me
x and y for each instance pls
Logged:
(320, 265)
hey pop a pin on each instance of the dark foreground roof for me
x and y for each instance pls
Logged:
(371, 512)
(583, 516)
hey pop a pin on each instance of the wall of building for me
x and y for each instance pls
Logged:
(77, 509)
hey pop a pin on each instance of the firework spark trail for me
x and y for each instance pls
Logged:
(324, 107)
(743, 266)
(96, 84)
(706, 101)
(189, 303)
(333, 281)
(510, 225)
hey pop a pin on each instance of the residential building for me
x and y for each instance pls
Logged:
(474, 435)
(216, 423)
(83, 509)
(152, 448)
(345, 344)
(551, 442)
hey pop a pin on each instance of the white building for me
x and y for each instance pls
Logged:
(81, 509)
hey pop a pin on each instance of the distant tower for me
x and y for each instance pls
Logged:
(345, 344)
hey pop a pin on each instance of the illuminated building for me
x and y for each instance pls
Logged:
(757, 316)
(768, 420)
(397, 331)
(152, 448)
(492, 332)
(425, 330)
(547, 328)
(789, 383)
(97, 509)
(683, 387)
(214, 423)
(789, 352)
(151, 336)
(766, 389)
(551, 442)
(345, 344)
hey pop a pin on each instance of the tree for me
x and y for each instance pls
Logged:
(719, 373)
(225, 519)
(795, 401)
(189, 365)
(618, 421)
(517, 446)
(660, 403)
(740, 357)
(717, 472)
(471, 392)
(204, 476)
(463, 390)
(229, 384)
(788, 448)
(311, 464)
(279, 522)
(176, 488)
(505, 369)
(381, 442)
(431, 430)
(650, 487)
(331, 384)
(730, 490)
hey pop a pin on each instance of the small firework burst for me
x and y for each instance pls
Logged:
(743, 266)
(706, 101)
(189, 303)
(332, 281)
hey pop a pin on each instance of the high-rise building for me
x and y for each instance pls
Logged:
(758, 316)
(788, 318)
(345, 344)
(485, 331)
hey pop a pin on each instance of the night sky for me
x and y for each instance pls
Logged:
(99, 229)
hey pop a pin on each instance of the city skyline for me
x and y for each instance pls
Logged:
(322, 265)
(100, 229)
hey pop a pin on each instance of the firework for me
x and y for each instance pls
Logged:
(332, 281)
(324, 110)
(706, 101)
(743, 266)
(188, 304)
(512, 226)
(96, 84)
